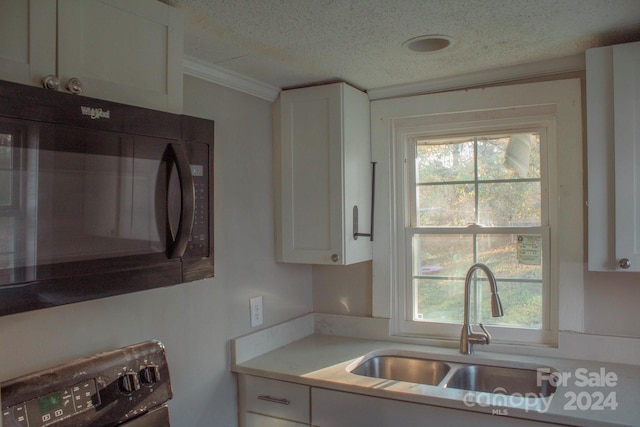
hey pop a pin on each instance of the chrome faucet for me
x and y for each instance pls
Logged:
(468, 338)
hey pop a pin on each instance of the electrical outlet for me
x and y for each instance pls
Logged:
(256, 311)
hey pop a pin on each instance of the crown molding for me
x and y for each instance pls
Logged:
(216, 74)
(219, 75)
(484, 78)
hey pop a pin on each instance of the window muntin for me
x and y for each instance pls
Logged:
(477, 199)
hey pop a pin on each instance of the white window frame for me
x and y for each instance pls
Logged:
(496, 107)
(538, 119)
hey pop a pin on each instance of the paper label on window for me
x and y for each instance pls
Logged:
(529, 249)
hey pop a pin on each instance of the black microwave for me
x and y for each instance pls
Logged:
(99, 198)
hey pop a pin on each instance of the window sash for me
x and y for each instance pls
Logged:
(410, 174)
(475, 231)
(404, 324)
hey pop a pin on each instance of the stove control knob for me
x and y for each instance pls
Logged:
(129, 382)
(150, 374)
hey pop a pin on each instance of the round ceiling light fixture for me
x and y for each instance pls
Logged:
(428, 44)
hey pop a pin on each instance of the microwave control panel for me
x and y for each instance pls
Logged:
(199, 242)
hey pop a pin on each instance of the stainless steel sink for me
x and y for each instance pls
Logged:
(402, 368)
(502, 380)
(521, 379)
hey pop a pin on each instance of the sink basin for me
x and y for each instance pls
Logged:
(502, 380)
(401, 368)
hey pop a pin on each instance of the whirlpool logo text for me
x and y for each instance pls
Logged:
(95, 113)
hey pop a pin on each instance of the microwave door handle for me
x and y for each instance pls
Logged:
(187, 198)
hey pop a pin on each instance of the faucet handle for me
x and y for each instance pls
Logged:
(486, 333)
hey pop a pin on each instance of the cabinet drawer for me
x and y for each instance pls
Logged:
(255, 420)
(275, 398)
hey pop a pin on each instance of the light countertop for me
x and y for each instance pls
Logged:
(323, 361)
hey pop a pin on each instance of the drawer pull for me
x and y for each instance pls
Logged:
(268, 398)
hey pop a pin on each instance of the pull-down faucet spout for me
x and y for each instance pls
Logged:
(468, 337)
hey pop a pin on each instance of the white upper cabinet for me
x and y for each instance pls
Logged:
(27, 40)
(118, 50)
(613, 132)
(322, 170)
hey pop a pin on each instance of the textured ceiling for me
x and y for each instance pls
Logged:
(287, 43)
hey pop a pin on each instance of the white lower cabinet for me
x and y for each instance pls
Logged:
(271, 403)
(338, 409)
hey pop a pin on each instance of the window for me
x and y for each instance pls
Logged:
(477, 199)
(475, 191)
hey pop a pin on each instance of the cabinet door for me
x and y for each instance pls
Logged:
(27, 40)
(322, 169)
(339, 409)
(121, 50)
(613, 143)
(626, 98)
(311, 158)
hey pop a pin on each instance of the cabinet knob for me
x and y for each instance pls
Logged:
(624, 263)
(74, 86)
(335, 257)
(50, 82)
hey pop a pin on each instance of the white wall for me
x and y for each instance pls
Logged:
(195, 321)
(611, 302)
(343, 289)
